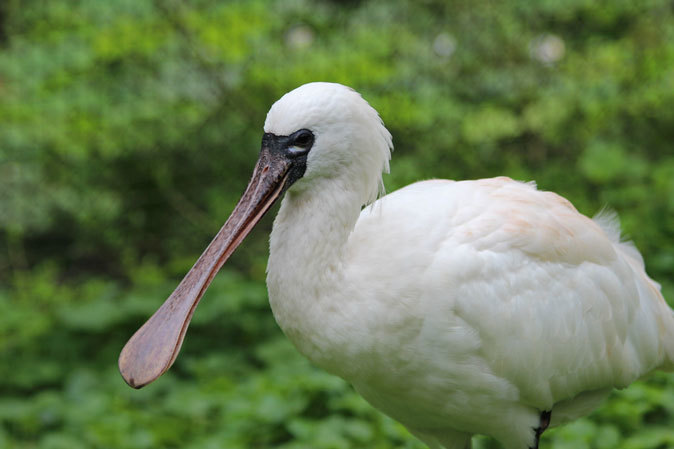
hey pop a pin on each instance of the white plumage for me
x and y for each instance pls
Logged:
(454, 307)
(457, 308)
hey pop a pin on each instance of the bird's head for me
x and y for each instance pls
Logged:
(329, 131)
(317, 132)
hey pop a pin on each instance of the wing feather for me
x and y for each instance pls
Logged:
(551, 301)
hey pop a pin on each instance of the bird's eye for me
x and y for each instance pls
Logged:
(303, 139)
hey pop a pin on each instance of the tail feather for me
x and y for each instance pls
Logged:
(608, 220)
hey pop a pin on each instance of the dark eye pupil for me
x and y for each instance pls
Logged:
(303, 140)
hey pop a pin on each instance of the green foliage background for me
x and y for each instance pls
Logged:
(129, 128)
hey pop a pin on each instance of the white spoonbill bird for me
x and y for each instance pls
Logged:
(457, 308)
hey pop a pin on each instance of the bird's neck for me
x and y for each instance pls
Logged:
(311, 230)
(306, 262)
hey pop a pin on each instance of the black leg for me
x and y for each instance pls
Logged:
(545, 422)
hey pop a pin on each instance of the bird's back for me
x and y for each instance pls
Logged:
(497, 279)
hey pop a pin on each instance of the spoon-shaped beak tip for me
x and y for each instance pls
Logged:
(155, 346)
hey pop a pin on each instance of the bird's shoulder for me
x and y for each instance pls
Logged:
(495, 214)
